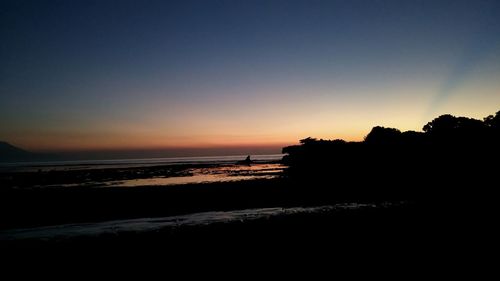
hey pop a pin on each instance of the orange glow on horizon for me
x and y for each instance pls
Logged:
(48, 144)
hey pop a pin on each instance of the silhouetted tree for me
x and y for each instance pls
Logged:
(453, 141)
(338, 142)
(382, 135)
(308, 140)
(493, 121)
(442, 124)
(450, 129)
(447, 124)
(413, 138)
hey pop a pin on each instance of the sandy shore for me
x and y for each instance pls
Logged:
(401, 216)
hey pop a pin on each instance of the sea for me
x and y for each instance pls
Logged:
(106, 163)
(138, 173)
(205, 169)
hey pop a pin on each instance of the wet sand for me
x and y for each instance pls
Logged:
(128, 175)
(388, 226)
(351, 225)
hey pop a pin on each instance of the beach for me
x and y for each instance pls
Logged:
(34, 198)
(257, 206)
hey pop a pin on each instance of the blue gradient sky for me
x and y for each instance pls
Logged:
(149, 74)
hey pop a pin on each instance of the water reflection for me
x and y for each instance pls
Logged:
(209, 174)
(155, 224)
(185, 180)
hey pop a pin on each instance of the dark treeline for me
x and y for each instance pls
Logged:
(452, 156)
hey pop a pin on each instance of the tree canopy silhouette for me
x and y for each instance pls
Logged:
(382, 135)
(493, 122)
(447, 142)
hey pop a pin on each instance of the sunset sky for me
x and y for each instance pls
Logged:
(83, 75)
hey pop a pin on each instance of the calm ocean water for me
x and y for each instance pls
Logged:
(141, 162)
(142, 172)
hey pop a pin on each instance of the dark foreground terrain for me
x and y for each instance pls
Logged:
(430, 195)
(395, 223)
(21, 208)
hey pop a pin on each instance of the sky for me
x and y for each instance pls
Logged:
(102, 75)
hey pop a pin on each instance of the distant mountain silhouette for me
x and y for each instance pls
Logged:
(10, 153)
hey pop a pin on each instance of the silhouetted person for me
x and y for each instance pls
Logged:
(247, 161)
